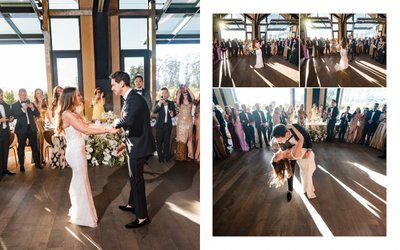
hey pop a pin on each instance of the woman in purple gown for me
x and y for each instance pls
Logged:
(239, 130)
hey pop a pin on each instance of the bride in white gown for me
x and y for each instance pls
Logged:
(82, 211)
(259, 58)
(344, 61)
(305, 159)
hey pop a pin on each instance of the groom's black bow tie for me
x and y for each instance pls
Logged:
(22, 102)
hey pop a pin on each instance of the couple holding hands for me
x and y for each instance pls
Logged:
(135, 123)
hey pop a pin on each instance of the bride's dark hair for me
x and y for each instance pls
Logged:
(281, 171)
(344, 43)
(66, 102)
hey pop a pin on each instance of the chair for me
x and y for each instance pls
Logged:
(49, 138)
(13, 146)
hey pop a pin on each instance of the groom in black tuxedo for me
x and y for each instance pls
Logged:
(352, 47)
(261, 125)
(5, 118)
(24, 111)
(286, 139)
(165, 110)
(331, 120)
(135, 121)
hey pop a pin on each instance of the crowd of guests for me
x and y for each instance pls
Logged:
(288, 48)
(34, 122)
(374, 47)
(244, 128)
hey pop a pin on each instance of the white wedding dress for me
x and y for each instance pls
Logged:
(259, 59)
(344, 61)
(307, 168)
(82, 211)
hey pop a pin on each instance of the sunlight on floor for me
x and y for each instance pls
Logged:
(374, 72)
(91, 241)
(377, 68)
(190, 211)
(372, 193)
(285, 70)
(319, 222)
(3, 245)
(316, 73)
(47, 209)
(368, 205)
(376, 177)
(262, 77)
(74, 235)
(367, 77)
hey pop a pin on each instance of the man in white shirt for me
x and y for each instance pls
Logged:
(24, 111)
(165, 110)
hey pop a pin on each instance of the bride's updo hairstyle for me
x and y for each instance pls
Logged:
(67, 102)
(281, 171)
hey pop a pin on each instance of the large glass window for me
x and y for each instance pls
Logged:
(134, 66)
(63, 40)
(5, 28)
(331, 93)
(362, 98)
(298, 97)
(64, 4)
(133, 33)
(67, 72)
(178, 64)
(133, 4)
(265, 96)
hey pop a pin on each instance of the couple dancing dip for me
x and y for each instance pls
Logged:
(292, 144)
(135, 123)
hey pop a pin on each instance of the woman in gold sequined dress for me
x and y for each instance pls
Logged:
(184, 126)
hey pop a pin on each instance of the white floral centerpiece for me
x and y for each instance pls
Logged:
(109, 116)
(101, 149)
(317, 133)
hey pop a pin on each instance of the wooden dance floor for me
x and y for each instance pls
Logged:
(34, 208)
(350, 184)
(240, 72)
(363, 72)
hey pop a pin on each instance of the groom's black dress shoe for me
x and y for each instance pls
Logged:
(22, 169)
(136, 224)
(289, 196)
(126, 208)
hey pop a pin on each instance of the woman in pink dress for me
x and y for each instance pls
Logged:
(361, 127)
(239, 130)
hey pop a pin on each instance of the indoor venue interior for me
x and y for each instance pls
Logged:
(255, 50)
(79, 43)
(343, 50)
(338, 185)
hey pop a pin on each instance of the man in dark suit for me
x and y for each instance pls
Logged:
(24, 111)
(331, 119)
(246, 119)
(222, 124)
(135, 121)
(371, 123)
(261, 125)
(141, 91)
(270, 123)
(286, 139)
(345, 118)
(230, 48)
(5, 118)
(165, 110)
(352, 47)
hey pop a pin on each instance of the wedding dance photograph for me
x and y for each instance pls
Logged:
(299, 162)
(255, 50)
(343, 50)
(100, 124)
